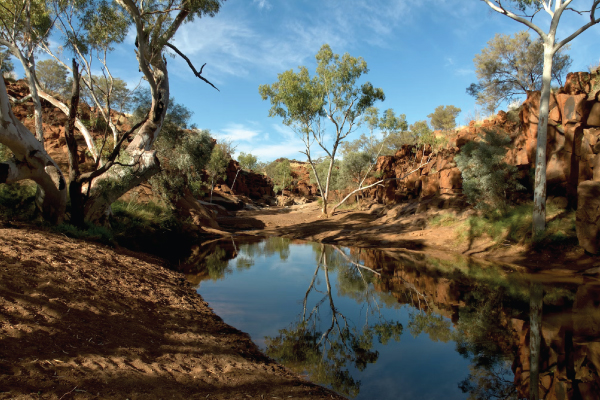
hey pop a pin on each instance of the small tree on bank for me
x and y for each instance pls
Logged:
(523, 12)
(248, 161)
(444, 117)
(217, 165)
(334, 94)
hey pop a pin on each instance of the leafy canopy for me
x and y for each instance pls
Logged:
(512, 65)
(488, 182)
(444, 117)
(248, 161)
(52, 76)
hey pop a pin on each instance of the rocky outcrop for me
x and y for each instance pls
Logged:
(248, 183)
(588, 216)
(573, 151)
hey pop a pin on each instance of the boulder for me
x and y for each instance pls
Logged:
(451, 179)
(283, 201)
(593, 118)
(572, 107)
(188, 207)
(588, 216)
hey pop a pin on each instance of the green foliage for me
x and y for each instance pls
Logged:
(89, 232)
(52, 76)
(17, 200)
(248, 161)
(6, 64)
(515, 226)
(132, 218)
(296, 98)
(322, 167)
(420, 132)
(354, 166)
(444, 117)
(183, 157)
(280, 172)
(333, 92)
(34, 30)
(488, 182)
(436, 326)
(113, 92)
(217, 163)
(510, 66)
(5, 152)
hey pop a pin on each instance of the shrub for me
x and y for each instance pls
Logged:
(18, 200)
(488, 182)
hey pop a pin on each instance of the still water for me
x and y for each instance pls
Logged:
(373, 324)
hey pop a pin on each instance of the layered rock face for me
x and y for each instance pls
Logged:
(573, 151)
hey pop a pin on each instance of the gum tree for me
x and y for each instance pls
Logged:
(24, 26)
(333, 94)
(509, 66)
(523, 11)
(155, 23)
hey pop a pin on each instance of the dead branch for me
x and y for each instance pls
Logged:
(198, 74)
(421, 165)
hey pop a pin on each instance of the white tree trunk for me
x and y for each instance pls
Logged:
(117, 181)
(31, 162)
(160, 101)
(539, 194)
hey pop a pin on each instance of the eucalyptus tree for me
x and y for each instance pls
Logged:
(510, 66)
(52, 76)
(360, 155)
(248, 162)
(524, 11)
(333, 93)
(444, 117)
(25, 25)
(155, 23)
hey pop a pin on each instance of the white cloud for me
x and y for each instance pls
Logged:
(262, 4)
(464, 71)
(240, 44)
(238, 132)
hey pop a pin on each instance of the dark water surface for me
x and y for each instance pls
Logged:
(374, 324)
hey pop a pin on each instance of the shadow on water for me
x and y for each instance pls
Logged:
(524, 335)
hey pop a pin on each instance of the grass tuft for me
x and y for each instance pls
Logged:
(515, 226)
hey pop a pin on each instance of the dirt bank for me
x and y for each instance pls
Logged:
(83, 321)
(368, 229)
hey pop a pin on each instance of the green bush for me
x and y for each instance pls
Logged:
(488, 182)
(18, 200)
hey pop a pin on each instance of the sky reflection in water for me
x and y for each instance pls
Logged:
(418, 327)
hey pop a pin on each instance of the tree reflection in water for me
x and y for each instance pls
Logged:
(496, 318)
(326, 348)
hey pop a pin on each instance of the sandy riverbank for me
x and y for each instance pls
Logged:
(80, 320)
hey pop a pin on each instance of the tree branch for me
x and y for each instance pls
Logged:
(198, 74)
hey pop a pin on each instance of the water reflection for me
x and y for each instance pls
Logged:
(325, 348)
(523, 335)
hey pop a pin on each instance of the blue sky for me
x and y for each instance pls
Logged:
(420, 52)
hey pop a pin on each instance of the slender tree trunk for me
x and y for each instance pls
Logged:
(535, 338)
(539, 194)
(75, 193)
(234, 179)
